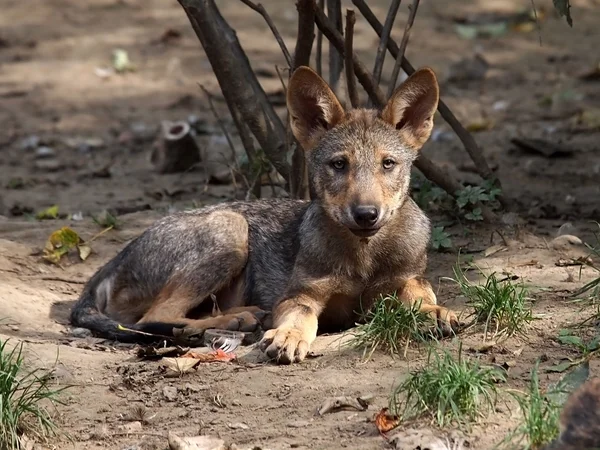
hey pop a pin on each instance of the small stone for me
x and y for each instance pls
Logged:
(48, 165)
(81, 332)
(30, 142)
(44, 152)
(14, 327)
(189, 387)
(170, 393)
(238, 426)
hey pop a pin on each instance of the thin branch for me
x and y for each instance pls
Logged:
(319, 55)
(306, 32)
(385, 35)
(261, 10)
(409, 23)
(465, 137)
(239, 85)
(248, 144)
(348, 52)
(221, 123)
(334, 13)
(362, 73)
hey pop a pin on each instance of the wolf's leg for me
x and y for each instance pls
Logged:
(418, 289)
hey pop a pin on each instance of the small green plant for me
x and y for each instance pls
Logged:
(106, 220)
(392, 326)
(469, 197)
(593, 287)
(425, 193)
(541, 414)
(497, 303)
(440, 239)
(449, 390)
(24, 397)
(566, 337)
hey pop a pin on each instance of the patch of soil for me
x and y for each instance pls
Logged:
(100, 131)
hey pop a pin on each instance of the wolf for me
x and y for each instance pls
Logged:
(305, 266)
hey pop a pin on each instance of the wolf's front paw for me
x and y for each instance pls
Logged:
(446, 319)
(285, 344)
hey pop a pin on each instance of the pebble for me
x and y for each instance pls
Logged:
(81, 332)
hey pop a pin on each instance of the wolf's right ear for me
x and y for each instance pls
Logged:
(312, 105)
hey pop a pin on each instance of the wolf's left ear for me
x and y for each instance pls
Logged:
(313, 107)
(412, 106)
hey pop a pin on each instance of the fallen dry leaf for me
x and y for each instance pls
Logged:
(62, 242)
(50, 213)
(179, 366)
(218, 355)
(341, 403)
(386, 422)
(494, 249)
(195, 443)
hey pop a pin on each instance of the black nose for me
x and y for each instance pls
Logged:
(365, 216)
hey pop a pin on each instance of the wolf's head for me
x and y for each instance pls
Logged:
(359, 160)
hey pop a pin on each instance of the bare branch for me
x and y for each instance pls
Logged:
(261, 10)
(306, 32)
(348, 52)
(362, 73)
(220, 122)
(334, 13)
(385, 35)
(465, 137)
(319, 55)
(409, 23)
(241, 89)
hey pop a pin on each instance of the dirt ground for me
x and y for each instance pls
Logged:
(99, 128)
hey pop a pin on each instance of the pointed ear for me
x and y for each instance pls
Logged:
(312, 105)
(412, 106)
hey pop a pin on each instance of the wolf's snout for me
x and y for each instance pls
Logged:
(365, 216)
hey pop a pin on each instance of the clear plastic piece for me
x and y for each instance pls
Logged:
(224, 340)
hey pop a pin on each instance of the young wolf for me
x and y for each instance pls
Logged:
(313, 264)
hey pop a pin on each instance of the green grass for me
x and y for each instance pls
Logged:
(541, 415)
(25, 396)
(592, 289)
(391, 326)
(448, 390)
(501, 305)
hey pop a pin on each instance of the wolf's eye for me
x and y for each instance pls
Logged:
(338, 164)
(388, 163)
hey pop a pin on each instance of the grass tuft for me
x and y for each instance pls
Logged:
(592, 289)
(541, 414)
(499, 304)
(391, 326)
(449, 390)
(24, 397)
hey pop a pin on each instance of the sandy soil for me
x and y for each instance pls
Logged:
(101, 130)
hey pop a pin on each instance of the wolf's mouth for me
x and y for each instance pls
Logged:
(364, 232)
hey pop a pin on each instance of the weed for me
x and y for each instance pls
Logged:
(22, 397)
(593, 287)
(541, 413)
(497, 303)
(440, 239)
(106, 220)
(469, 197)
(567, 337)
(448, 390)
(391, 326)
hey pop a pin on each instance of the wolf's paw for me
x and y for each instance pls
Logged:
(286, 345)
(446, 319)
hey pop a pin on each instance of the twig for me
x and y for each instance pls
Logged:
(334, 13)
(248, 144)
(220, 122)
(261, 10)
(241, 89)
(385, 35)
(319, 55)
(306, 32)
(409, 23)
(465, 137)
(348, 51)
(362, 73)
(62, 280)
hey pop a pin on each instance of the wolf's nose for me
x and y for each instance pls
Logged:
(365, 216)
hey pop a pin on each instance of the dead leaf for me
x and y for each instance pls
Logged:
(341, 403)
(195, 443)
(494, 249)
(218, 355)
(179, 366)
(588, 119)
(61, 242)
(386, 422)
(419, 439)
(480, 125)
(50, 213)
(485, 347)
